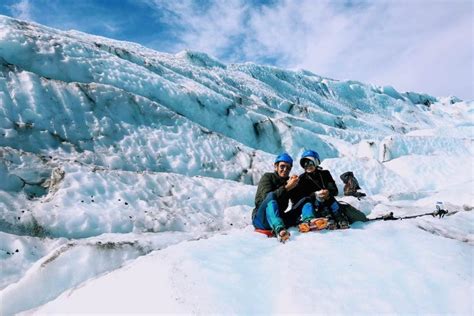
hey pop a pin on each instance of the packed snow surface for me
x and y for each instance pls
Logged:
(132, 172)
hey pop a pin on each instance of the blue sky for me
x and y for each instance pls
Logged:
(413, 45)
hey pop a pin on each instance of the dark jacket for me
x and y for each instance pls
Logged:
(311, 182)
(271, 182)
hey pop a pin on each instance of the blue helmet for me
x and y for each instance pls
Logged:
(285, 158)
(311, 155)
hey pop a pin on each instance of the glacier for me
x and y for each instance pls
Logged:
(128, 177)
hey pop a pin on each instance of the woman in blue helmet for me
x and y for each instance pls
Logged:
(314, 195)
(272, 199)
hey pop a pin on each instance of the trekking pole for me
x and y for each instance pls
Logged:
(439, 212)
(386, 217)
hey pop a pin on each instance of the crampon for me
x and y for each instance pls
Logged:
(283, 236)
(315, 224)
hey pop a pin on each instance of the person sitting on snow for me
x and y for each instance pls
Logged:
(314, 196)
(272, 198)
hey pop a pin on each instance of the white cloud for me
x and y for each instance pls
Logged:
(111, 27)
(67, 15)
(420, 45)
(209, 28)
(21, 10)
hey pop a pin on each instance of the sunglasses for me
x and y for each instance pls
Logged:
(284, 167)
(308, 163)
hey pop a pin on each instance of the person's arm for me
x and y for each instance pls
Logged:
(264, 187)
(290, 184)
(331, 185)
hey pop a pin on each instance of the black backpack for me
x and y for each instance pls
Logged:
(351, 185)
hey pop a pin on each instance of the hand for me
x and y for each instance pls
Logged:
(291, 183)
(323, 194)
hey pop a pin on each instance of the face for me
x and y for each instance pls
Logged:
(309, 166)
(283, 169)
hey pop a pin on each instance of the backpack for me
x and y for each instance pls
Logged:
(351, 185)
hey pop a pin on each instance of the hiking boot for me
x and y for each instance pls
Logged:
(343, 224)
(283, 235)
(319, 223)
(304, 227)
(341, 221)
(332, 224)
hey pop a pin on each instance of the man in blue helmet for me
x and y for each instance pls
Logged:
(272, 198)
(314, 196)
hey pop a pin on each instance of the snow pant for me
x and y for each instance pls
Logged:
(270, 217)
(312, 208)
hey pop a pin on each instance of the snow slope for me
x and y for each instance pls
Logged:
(110, 152)
(402, 271)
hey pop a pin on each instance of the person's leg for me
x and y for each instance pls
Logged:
(334, 206)
(307, 212)
(329, 207)
(268, 215)
(260, 219)
(273, 216)
(311, 220)
(293, 216)
(337, 214)
(320, 209)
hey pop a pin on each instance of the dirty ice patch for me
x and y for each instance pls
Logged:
(90, 202)
(105, 126)
(19, 253)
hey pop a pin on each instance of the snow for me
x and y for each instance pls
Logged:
(132, 172)
(243, 273)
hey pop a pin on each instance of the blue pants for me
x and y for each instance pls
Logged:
(319, 209)
(268, 215)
